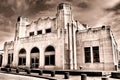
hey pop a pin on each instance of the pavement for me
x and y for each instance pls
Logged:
(6, 76)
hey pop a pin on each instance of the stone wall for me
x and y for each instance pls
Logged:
(41, 42)
(8, 49)
(95, 37)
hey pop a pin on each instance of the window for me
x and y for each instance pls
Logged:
(34, 62)
(34, 57)
(50, 60)
(10, 58)
(46, 60)
(49, 48)
(31, 33)
(48, 30)
(50, 55)
(35, 50)
(22, 61)
(92, 56)
(87, 54)
(61, 6)
(22, 57)
(22, 51)
(95, 54)
(39, 32)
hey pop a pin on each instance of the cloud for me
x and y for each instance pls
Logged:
(40, 5)
(91, 12)
(115, 8)
(83, 5)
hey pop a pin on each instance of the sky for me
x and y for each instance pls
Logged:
(92, 12)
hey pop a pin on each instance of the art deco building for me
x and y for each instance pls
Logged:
(61, 43)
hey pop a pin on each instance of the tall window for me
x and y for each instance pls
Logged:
(50, 55)
(92, 54)
(22, 61)
(50, 60)
(87, 54)
(35, 57)
(10, 58)
(22, 57)
(95, 54)
(48, 30)
(31, 33)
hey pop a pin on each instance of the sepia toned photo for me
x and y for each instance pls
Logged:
(59, 40)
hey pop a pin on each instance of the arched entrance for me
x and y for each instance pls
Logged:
(50, 55)
(22, 57)
(34, 58)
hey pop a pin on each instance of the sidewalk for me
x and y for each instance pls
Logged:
(24, 76)
(4, 76)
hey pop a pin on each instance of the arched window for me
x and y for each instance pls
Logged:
(49, 48)
(50, 55)
(35, 50)
(22, 57)
(22, 51)
(35, 57)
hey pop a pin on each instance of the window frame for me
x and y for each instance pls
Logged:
(31, 33)
(39, 32)
(49, 60)
(21, 62)
(48, 30)
(96, 55)
(87, 56)
(49, 56)
(10, 58)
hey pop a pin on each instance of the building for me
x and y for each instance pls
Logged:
(61, 43)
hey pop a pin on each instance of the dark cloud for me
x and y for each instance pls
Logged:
(5, 9)
(83, 5)
(38, 6)
(69, 0)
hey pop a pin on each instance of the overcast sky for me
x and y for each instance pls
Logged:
(91, 12)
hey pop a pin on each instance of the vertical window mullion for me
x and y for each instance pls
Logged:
(49, 60)
(91, 52)
(34, 61)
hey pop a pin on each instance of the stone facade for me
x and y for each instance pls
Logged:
(61, 43)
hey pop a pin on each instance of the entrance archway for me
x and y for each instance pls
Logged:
(34, 58)
(22, 57)
(50, 55)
